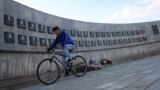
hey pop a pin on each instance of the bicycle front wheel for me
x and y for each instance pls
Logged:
(79, 66)
(48, 71)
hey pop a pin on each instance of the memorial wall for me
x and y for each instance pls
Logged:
(25, 33)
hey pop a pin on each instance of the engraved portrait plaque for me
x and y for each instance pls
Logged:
(22, 39)
(8, 20)
(92, 34)
(79, 33)
(50, 41)
(85, 33)
(43, 41)
(93, 43)
(98, 34)
(73, 33)
(99, 42)
(9, 37)
(103, 34)
(33, 40)
(21, 23)
(41, 28)
(31, 26)
(49, 30)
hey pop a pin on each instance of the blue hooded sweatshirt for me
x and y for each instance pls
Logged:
(63, 39)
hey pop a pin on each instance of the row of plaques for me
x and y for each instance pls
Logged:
(9, 20)
(82, 43)
(75, 33)
(9, 37)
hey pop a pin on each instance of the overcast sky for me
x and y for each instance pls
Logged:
(102, 11)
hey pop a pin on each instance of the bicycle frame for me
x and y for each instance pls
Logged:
(55, 59)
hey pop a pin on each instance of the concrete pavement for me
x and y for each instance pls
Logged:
(143, 74)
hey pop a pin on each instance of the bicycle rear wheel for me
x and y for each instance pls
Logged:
(48, 71)
(79, 66)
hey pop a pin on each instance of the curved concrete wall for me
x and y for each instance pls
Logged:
(25, 33)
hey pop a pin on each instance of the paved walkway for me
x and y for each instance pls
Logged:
(142, 74)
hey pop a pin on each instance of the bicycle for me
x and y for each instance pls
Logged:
(48, 70)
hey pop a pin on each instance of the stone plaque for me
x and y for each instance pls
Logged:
(109, 34)
(155, 29)
(92, 34)
(125, 41)
(75, 43)
(99, 42)
(87, 43)
(120, 41)
(103, 34)
(115, 42)
(8, 20)
(105, 42)
(32, 26)
(98, 34)
(144, 38)
(79, 34)
(9, 37)
(49, 30)
(114, 34)
(41, 28)
(119, 34)
(81, 43)
(142, 31)
(85, 33)
(73, 33)
(133, 32)
(128, 33)
(138, 32)
(93, 43)
(50, 41)
(139, 39)
(21, 23)
(22, 39)
(33, 40)
(124, 33)
(43, 41)
(130, 40)
(110, 42)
